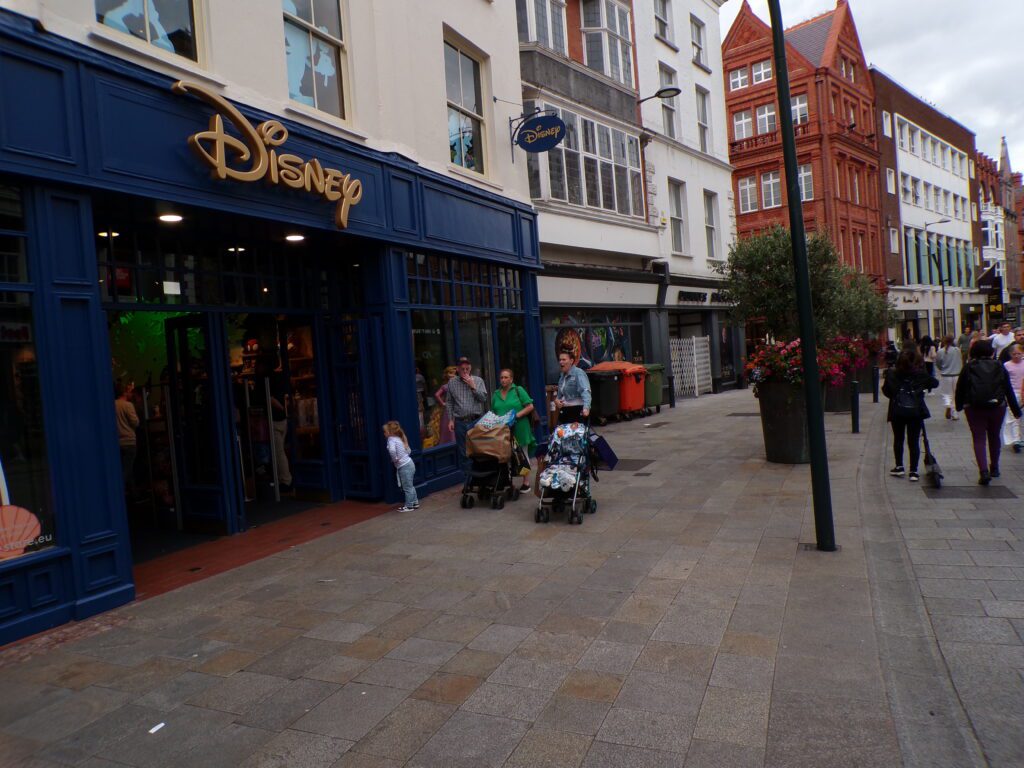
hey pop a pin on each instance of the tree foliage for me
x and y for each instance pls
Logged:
(761, 286)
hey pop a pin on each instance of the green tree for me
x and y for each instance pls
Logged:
(863, 310)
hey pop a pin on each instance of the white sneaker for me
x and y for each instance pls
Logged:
(404, 508)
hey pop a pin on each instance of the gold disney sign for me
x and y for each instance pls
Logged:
(256, 149)
(530, 135)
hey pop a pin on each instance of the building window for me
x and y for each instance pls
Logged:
(806, 179)
(856, 187)
(937, 193)
(912, 144)
(887, 127)
(766, 118)
(465, 109)
(762, 71)
(974, 211)
(742, 125)
(314, 51)
(902, 128)
(697, 41)
(167, 24)
(606, 39)
(905, 187)
(916, 184)
(771, 189)
(663, 19)
(711, 223)
(799, 106)
(543, 22)
(748, 194)
(894, 240)
(738, 78)
(676, 197)
(703, 125)
(668, 106)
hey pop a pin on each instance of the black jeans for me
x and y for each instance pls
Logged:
(912, 430)
(570, 413)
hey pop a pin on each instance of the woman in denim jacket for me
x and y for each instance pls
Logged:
(573, 398)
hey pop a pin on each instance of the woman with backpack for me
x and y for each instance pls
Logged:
(984, 389)
(904, 386)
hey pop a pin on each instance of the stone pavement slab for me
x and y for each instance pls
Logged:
(682, 625)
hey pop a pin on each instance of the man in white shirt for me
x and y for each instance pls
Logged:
(1002, 339)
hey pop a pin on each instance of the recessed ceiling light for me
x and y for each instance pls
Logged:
(170, 218)
(108, 234)
(266, 290)
(294, 238)
(236, 249)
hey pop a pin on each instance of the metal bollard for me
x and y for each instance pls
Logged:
(671, 391)
(855, 407)
(875, 374)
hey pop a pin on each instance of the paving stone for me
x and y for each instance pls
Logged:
(339, 631)
(971, 629)
(454, 629)
(351, 712)
(447, 688)
(295, 749)
(363, 760)
(952, 606)
(396, 674)
(564, 624)
(595, 686)
(656, 692)
(734, 716)
(693, 626)
(569, 713)
(507, 701)
(227, 662)
(65, 715)
(226, 748)
(720, 754)
(530, 673)
(370, 647)
(548, 646)
(401, 734)
(98, 736)
(1008, 609)
(287, 704)
(337, 669)
(749, 644)
(295, 658)
(474, 663)
(372, 612)
(21, 698)
(804, 722)
(690, 661)
(606, 755)
(500, 638)
(405, 624)
(748, 673)
(605, 656)
(422, 651)
(183, 729)
(469, 740)
(639, 728)
(626, 632)
(857, 680)
(239, 692)
(549, 749)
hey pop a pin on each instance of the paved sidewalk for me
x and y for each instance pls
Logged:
(682, 625)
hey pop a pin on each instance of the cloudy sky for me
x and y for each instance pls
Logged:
(961, 56)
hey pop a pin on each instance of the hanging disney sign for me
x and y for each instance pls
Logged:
(540, 133)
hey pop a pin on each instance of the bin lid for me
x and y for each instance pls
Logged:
(654, 367)
(620, 366)
(603, 374)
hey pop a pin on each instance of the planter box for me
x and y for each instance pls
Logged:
(784, 422)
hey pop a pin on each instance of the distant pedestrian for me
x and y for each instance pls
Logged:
(984, 389)
(466, 402)
(1015, 367)
(904, 386)
(928, 352)
(127, 419)
(948, 364)
(891, 354)
(963, 342)
(1002, 338)
(398, 450)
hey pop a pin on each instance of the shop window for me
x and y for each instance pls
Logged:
(166, 24)
(465, 109)
(594, 336)
(433, 344)
(314, 52)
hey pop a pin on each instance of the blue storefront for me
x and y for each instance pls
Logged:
(204, 260)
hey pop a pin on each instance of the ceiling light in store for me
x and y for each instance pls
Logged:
(170, 218)
(108, 234)
(236, 249)
(294, 238)
(266, 290)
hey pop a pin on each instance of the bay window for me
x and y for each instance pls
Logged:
(542, 22)
(606, 39)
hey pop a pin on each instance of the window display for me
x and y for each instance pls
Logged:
(593, 336)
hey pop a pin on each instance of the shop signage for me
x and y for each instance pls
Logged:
(15, 333)
(540, 133)
(252, 156)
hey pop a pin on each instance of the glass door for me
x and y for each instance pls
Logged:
(197, 408)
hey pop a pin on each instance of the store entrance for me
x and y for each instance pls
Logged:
(224, 413)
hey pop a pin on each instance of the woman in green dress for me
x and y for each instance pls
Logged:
(510, 397)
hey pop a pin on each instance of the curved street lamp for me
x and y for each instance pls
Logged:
(668, 92)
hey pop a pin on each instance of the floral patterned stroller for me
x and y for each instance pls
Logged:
(565, 482)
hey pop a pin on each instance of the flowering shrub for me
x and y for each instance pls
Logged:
(783, 361)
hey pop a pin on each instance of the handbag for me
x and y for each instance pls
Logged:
(932, 470)
(534, 416)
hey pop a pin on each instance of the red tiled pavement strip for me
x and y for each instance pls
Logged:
(188, 566)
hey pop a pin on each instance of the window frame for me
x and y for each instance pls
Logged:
(711, 219)
(336, 43)
(677, 215)
(703, 115)
(742, 74)
(890, 180)
(698, 42)
(663, 20)
(799, 109)
(748, 122)
(768, 111)
(607, 36)
(198, 28)
(746, 192)
(482, 161)
(532, 29)
(669, 109)
(806, 172)
(771, 181)
(758, 76)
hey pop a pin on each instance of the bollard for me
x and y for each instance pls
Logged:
(874, 383)
(854, 407)
(671, 391)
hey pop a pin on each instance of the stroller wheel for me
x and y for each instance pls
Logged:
(575, 519)
(514, 494)
(499, 502)
(592, 506)
(470, 501)
(545, 516)
(462, 501)
(536, 516)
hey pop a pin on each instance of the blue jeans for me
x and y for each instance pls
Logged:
(406, 478)
(461, 428)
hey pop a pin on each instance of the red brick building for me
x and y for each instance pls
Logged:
(833, 115)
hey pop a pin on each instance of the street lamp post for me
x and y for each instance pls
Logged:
(938, 262)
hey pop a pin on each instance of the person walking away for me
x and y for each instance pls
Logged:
(511, 398)
(573, 398)
(904, 386)
(948, 364)
(928, 352)
(267, 370)
(465, 403)
(963, 342)
(984, 389)
(398, 450)
(1002, 338)
(1015, 367)
(127, 422)
(891, 354)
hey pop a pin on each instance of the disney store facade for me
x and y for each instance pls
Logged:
(204, 260)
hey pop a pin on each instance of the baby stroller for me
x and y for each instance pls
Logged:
(496, 463)
(566, 479)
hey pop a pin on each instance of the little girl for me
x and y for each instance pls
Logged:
(398, 449)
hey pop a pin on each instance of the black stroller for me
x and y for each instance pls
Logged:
(565, 482)
(491, 475)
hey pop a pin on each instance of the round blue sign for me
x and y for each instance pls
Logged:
(541, 133)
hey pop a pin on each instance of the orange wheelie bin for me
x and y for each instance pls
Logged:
(631, 385)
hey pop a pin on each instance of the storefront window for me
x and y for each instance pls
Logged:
(167, 24)
(594, 336)
(26, 509)
(433, 344)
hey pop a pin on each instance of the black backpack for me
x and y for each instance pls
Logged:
(907, 402)
(985, 383)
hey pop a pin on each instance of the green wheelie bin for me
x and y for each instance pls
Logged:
(604, 390)
(653, 386)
